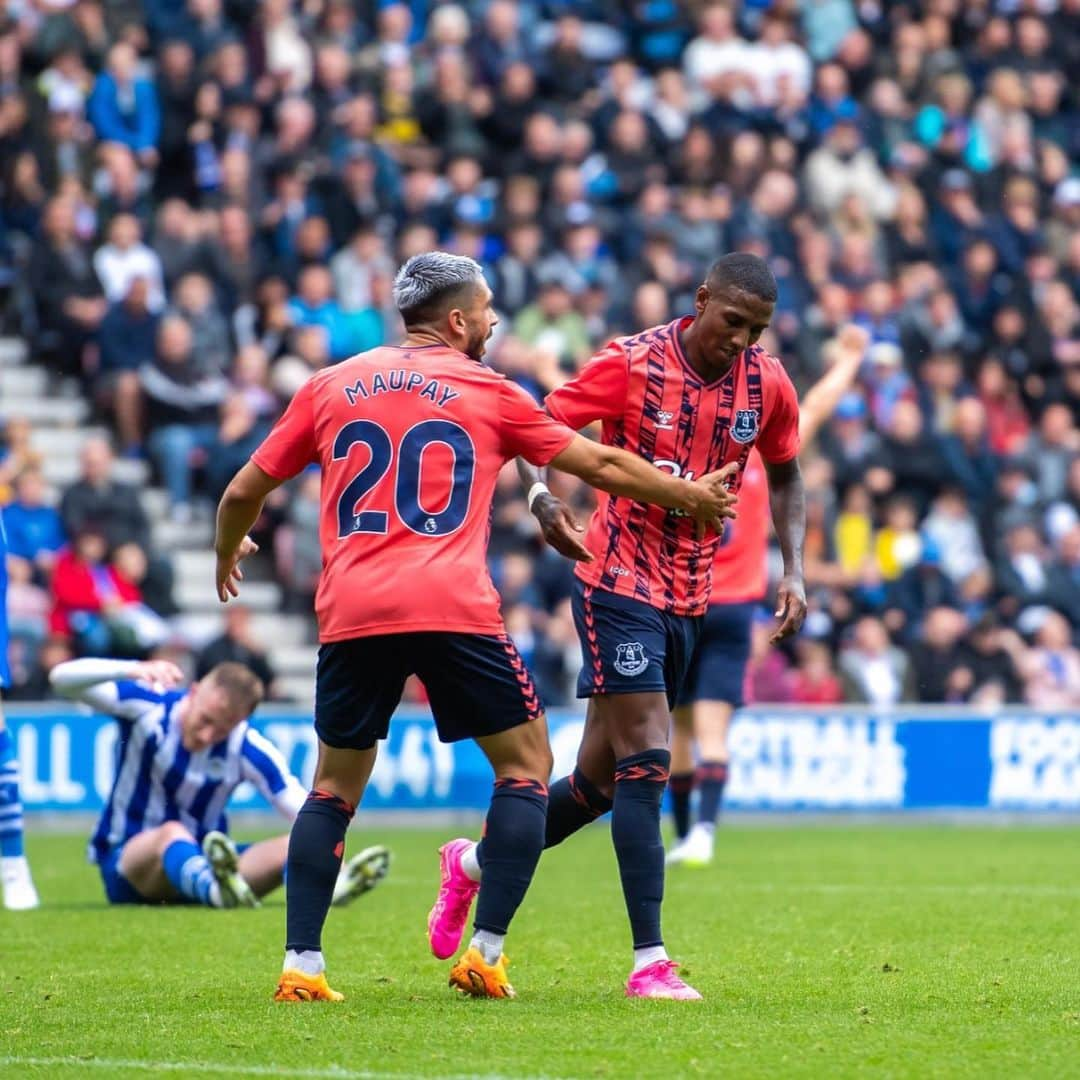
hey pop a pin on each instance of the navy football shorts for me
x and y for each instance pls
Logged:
(477, 685)
(630, 647)
(718, 667)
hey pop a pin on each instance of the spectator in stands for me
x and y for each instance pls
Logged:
(34, 530)
(124, 107)
(239, 433)
(910, 457)
(1022, 574)
(768, 674)
(992, 655)
(814, 682)
(194, 302)
(938, 657)
(124, 258)
(1052, 667)
(314, 305)
(128, 340)
(968, 458)
(17, 454)
(181, 403)
(552, 323)
(96, 502)
(238, 643)
(28, 608)
(82, 597)
(297, 553)
(919, 589)
(874, 671)
(1052, 449)
(66, 291)
(1064, 583)
(953, 530)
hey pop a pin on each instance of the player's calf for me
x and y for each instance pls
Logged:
(316, 845)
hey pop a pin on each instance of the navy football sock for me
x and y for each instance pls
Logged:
(574, 802)
(189, 872)
(635, 830)
(316, 844)
(680, 786)
(510, 850)
(711, 777)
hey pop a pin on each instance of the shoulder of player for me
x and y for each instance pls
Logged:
(638, 346)
(765, 361)
(771, 368)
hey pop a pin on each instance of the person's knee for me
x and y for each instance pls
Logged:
(604, 785)
(646, 729)
(529, 757)
(170, 832)
(343, 773)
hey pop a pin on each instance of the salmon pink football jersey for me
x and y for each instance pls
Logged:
(740, 574)
(410, 441)
(652, 402)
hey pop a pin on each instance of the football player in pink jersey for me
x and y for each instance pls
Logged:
(692, 396)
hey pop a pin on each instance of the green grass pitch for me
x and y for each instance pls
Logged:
(883, 951)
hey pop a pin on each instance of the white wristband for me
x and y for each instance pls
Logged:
(538, 489)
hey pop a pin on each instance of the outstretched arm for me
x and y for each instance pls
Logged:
(238, 511)
(822, 398)
(92, 680)
(619, 472)
(787, 500)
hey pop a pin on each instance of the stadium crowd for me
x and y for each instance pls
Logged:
(203, 201)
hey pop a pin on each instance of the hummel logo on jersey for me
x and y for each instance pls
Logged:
(630, 658)
(745, 428)
(663, 419)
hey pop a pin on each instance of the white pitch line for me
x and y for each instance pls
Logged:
(329, 1073)
(987, 889)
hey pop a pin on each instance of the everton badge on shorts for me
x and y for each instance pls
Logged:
(630, 658)
(745, 428)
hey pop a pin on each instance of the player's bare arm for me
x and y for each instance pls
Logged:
(560, 528)
(238, 511)
(787, 500)
(849, 348)
(619, 472)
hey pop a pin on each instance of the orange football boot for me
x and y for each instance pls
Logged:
(296, 986)
(473, 975)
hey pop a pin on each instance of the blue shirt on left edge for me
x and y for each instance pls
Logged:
(32, 529)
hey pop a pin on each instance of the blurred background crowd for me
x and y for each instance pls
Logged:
(203, 201)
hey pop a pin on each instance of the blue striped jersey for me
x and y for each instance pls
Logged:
(157, 780)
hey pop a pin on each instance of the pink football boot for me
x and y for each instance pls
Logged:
(660, 981)
(447, 919)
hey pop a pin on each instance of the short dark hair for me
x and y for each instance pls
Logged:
(748, 273)
(429, 284)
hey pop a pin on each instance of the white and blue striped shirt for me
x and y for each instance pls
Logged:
(157, 780)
